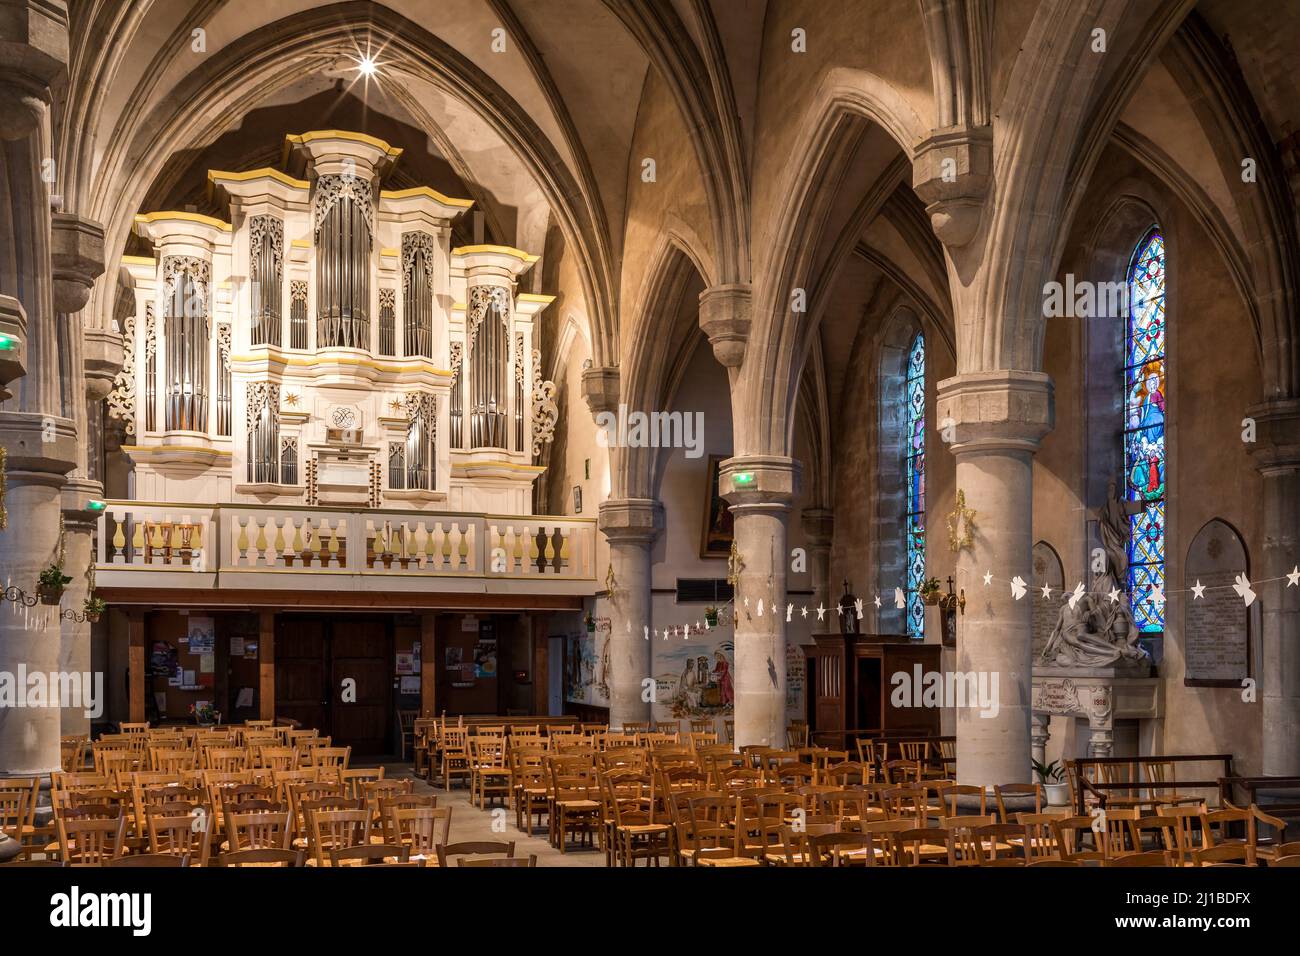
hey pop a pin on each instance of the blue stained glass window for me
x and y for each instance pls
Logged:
(914, 470)
(1145, 411)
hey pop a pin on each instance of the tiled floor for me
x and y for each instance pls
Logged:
(468, 822)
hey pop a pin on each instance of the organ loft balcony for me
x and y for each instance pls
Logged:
(319, 390)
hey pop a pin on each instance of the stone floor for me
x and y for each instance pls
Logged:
(468, 822)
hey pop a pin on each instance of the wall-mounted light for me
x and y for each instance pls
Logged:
(743, 478)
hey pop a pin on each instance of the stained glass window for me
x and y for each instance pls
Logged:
(914, 470)
(1144, 429)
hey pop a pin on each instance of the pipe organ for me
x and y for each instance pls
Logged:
(324, 344)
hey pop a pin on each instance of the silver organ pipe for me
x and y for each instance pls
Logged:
(489, 345)
(187, 282)
(266, 252)
(263, 424)
(417, 286)
(421, 452)
(343, 244)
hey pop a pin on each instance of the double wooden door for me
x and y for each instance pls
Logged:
(336, 674)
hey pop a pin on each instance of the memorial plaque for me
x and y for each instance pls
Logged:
(1216, 638)
(1047, 570)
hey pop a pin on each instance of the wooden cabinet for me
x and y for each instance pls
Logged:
(851, 679)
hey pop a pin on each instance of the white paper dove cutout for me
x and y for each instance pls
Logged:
(1017, 587)
(647, 632)
(1243, 589)
(858, 606)
(789, 612)
(899, 600)
(1076, 594)
(760, 607)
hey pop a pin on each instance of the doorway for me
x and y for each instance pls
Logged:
(336, 674)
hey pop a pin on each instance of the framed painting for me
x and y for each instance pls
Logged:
(719, 527)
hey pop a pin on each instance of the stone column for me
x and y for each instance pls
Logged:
(74, 649)
(1039, 734)
(725, 317)
(631, 526)
(760, 489)
(999, 419)
(40, 444)
(1277, 456)
(30, 636)
(818, 525)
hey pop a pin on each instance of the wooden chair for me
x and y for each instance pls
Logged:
(575, 804)
(1185, 822)
(446, 851)
(453, 749)
(258, 830)
(90, 841)
(336, 830)
(999, 843)
(371, 854)
(72, 752)
(528, 861)
(963, 845)
(421, 829)
(636, 832)
(180, 830)
(489, 774)
(17, 810)
(1039, 837)
(151, 860)
(261, 857)
(330, 759)
(1076, 840)
(1221, 855)
(1150, 858)
(406, 730)
(355, 781)
(1001, 791)
(921, 846)
(948, 794)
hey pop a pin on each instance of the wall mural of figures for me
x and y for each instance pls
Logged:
(586, 673)
(694, 678)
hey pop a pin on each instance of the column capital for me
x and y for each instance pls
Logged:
(767, 482)
(13, 344)
(75, 503)
(818, 526)
(77, 259)
(41, 449)
(1277, 435)
(950, 173)
(1006, 410)
(631, 520)
(33, 52)
(600, 387)
(102, 355)
(725, 317)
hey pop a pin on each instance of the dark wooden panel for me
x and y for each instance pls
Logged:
(300, 692)
(360, 652)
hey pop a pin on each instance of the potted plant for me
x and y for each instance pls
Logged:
(591, 624)
(205, 715)
(93, 608)
(930, 591)
(711, 616)
(1052, 777)
(50, 584)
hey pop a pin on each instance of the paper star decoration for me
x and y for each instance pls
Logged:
(1076, 594)
(988, 578)
(821, 612)
(804, 610)
(1017, 587)
(877, 600)
(1157, 595)
(1047, 590)
(1114, 595)
(1198, 590)
(1243, 589)
(1293, 578)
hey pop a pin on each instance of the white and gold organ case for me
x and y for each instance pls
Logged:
(327, 346)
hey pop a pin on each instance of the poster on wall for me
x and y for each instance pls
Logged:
(162, 659)
(485, 657)
(409, 685)
(453, 656)
(202, 633)
(694, 678)
(586, 669)
(719, 527)
(405, 664)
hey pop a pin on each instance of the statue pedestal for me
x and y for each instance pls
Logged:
(1102, 695)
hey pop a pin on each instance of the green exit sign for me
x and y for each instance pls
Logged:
(743, 478)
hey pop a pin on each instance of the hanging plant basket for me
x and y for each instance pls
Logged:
(49, 594)
(93, 609)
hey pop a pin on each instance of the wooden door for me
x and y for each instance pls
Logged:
(361, 653)
(300, 671)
